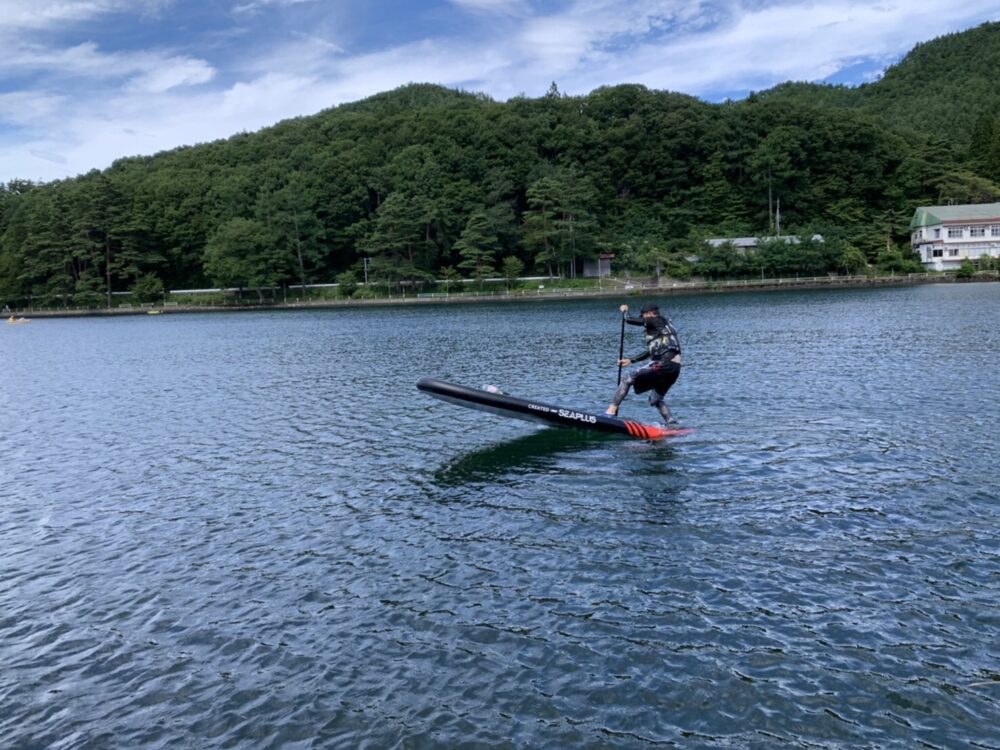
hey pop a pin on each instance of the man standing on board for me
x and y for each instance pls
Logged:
(664, 352)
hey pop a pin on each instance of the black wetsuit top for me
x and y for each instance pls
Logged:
(662, 344)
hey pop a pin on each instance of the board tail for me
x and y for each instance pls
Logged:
(652, 431)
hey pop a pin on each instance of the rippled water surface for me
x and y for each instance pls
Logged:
(251, 530)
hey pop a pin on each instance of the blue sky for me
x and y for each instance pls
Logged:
(84, 82)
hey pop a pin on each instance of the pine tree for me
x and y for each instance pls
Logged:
(981, 143)
(398, 226)
(478, 246)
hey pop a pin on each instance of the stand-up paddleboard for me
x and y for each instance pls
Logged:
(535, 411)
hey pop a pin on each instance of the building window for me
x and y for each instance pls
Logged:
(952, 252)
(954, 232)
(937, 233)
(994, 231)
(937, 252)
(977, 231)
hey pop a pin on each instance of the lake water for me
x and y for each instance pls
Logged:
(251, 530)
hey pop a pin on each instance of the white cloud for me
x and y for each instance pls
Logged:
(170, 73)
(25, 107)
(558, 44)
(256, 5)
(46, 156)
(46, 14)
(40, 14)
(148, 71)
(82, 59)
(497, 7)
(421, 62)
(305, 55)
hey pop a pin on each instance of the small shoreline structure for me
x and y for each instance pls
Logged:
(613, 288)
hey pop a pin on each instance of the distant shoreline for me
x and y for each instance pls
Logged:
(620, 290)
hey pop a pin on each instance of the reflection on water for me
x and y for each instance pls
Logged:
(536, 452)
(253, 531)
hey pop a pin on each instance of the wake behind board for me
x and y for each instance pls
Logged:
(535, 411)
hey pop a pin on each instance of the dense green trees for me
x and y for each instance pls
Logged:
(984, 146)
(408, 183)
(478, 246)
(244, 253)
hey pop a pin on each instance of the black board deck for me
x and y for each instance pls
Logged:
(505, 405)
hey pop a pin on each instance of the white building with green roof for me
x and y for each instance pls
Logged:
(947, 236)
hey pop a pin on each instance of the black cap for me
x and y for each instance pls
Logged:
(650, 307)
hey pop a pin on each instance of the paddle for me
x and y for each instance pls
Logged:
(621, 350)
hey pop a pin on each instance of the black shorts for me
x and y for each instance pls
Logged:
(658, 377)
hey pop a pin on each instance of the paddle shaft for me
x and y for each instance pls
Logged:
(621, 350)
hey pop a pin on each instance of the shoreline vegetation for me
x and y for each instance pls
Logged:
(552, 290)
(424, 188)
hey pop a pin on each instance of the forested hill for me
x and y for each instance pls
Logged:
(943, 87)
(425, 181)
